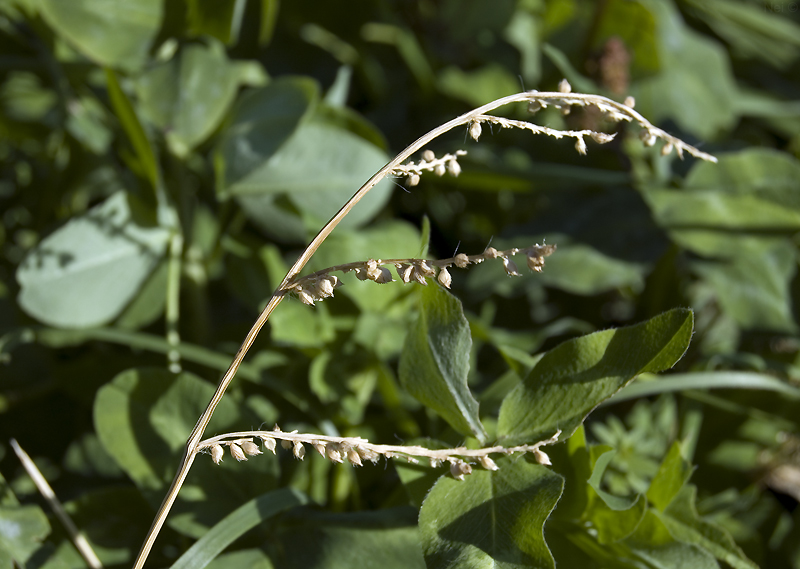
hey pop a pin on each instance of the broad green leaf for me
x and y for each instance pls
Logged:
(262, 121)
(112, 33)
(573, 462)
(695, 87)
(221, 19)
(143, 417)
(309, 178)
(242, 559)
(573, 378)
(477, 87)
(188, 96)
(236, 524)
(382, 539)
(133, 128)
(419, 478)
(614, 517)
(653, 543)
(112, 518)
(685, 525)
(86, 272)
(490, 519)
(754, 288)
(672, 475)
(22, 529)
(754, 31)
(435, 361)
(704, 381)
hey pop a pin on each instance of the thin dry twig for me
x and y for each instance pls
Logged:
(78, 539)
(473, 119)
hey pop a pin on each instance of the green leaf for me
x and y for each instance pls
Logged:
(117, 34)
(477, 87)
(435, 361)
(262, 121)
(653, 543)
(242, 559)
(614, 517)
(670, 478)
(382, 539)
(86, 272)
(217, 18)
(236, 524)
(490, 519)
(684, 524)
(22, 529)
(188, 96)
(309, 178)
(574, 464)
(133, 128)
(143, 418)
(704, 381)
(695, 86)
(573, 378)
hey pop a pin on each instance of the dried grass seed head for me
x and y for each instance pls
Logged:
(459, 469)
(216, 453)
(475, 130)
(250, 448)
(237, 452)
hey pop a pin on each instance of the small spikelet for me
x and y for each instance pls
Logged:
(541, 457)
(459, 469)
(444, 278)
(216, 454)
(334, 455)
(461, 260)
(510, 267)
(250, 448)
(353, 457)
(269, 442)
(453, 168)
(488, 463)
(237, 452)
(319, 446)
(299, 450)
(475, 130)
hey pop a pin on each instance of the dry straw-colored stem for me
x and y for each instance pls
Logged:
(473, 119)
(78, 539)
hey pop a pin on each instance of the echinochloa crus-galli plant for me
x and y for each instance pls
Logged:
(321, 284)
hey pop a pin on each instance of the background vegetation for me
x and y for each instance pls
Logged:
(162, 162)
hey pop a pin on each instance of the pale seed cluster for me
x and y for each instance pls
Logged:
(617, 112)
(355, 450)
(320, 285)
(447, 164)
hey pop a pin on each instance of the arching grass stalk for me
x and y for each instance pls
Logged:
(473, 120)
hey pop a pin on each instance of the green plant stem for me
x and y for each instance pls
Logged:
(173, 301)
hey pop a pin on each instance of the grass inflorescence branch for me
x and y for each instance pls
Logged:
(355, 450)
(321, 284)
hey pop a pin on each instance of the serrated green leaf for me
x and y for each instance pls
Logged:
(118, 34)
(573, 378)
(490, 519)
(685, 525)
(435, 361)
(86, 272)
(236, 524)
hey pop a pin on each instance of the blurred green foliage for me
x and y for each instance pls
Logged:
(162, 163)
